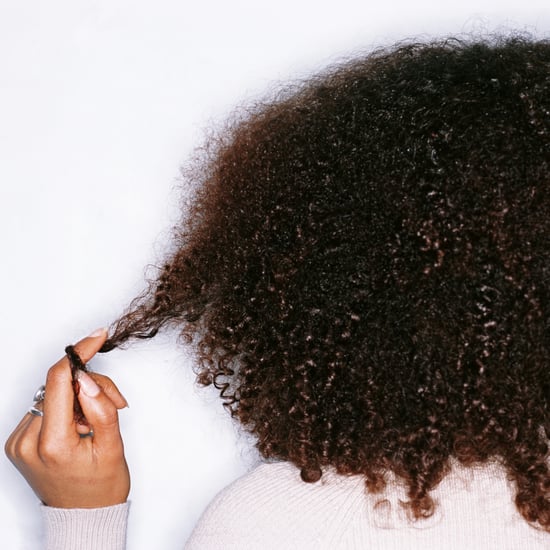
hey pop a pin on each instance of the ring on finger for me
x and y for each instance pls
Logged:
(39, 394)
(38, 398)
(35, 411)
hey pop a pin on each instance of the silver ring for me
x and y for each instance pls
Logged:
(39, 394)
(36, 412)
(38, 397)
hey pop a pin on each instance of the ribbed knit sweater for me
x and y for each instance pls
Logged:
(272, 508)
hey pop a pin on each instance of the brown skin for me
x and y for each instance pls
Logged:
(64, 469)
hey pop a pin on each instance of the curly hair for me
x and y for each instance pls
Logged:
(364, 269)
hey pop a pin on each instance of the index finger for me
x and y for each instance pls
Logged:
(58, 419)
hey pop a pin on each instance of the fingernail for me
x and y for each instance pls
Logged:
(87, 384)
(98, 332)
(126, 406)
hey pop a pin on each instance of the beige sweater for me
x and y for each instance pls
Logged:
(271, 508)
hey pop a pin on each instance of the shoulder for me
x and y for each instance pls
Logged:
(272, 508)
(272, 477)
(272, 503)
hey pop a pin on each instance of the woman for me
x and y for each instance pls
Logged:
(364, 273)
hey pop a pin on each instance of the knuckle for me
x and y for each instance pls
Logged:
(107, 419)
(102, 411)
(20, 449)
(9, 447)
(48, 451)
(56, 374)
(24, 449)
(110, 389)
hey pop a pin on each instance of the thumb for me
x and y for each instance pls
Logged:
(58, 403)
(100, 411)
(88, 347)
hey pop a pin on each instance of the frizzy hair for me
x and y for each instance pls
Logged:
(364, 269)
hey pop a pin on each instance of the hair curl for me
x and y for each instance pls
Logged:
(365, 268)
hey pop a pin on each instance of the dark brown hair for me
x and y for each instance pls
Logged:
(365, 268)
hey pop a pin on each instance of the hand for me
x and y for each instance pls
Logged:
(64, 469)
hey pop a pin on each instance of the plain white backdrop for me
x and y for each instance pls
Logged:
(101, 101)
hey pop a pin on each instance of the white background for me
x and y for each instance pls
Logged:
(100, 104)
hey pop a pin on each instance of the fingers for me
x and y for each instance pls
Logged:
(89, 346)
(58, 418)
(64, 469)
(99, 398)
(22, 425)
(101, 412)
(22, 444)
(110, 389)
(11, 448)
(27, 440)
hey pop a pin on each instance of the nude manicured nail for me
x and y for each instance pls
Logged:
(87, 384)
(98, 332)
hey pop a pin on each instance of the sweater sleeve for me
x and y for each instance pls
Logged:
(85, 529)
